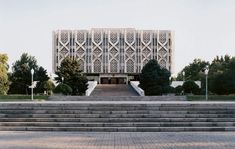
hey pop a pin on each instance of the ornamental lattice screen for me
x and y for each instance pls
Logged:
(129, 52)
(80, 48)
(63, 46)
(97, 52)
(113, 50)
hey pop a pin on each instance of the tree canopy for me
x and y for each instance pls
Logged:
(47, 86)
(221, 75)
(193, 71)
(72, 74)
(42, 77)
(4, 82)
(21, 75)
(221, 78)
(154, 80)
(191, 87)
(63, 88)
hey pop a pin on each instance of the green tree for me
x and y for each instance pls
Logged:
(42, 77)
(4, 82)
(193, 71)
(70, 71)
(191, 87)
(221, 75)
(154, 80)
(48, 86)
(21, 75)
(178, 90)
(63, 88)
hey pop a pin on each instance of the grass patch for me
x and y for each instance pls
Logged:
(211, 98)
(4, 98)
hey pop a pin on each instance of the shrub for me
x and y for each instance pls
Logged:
(191, 87)
(154, 80)
(63, 88)
(178, 90)
(73, 76)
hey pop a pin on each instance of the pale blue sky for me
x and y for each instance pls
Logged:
(203, 28)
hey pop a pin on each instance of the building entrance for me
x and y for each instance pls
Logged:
(113, 80)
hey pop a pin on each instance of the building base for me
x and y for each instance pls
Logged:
(112, 78)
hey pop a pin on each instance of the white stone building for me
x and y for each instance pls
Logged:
(113, 55)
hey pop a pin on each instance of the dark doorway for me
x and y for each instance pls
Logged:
(113, 80)
(104, 80)
(121, 81)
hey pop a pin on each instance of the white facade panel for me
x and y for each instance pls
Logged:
(115, 51)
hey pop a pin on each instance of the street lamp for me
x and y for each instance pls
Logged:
(32, 72)
(62, 80)
(206, 73)
(183, 76)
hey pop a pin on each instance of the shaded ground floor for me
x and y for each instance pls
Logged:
(112, 78)
(123, 140)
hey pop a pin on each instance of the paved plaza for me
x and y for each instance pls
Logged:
(112, 140)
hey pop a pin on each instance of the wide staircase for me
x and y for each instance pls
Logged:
(112, 116)
(113, 90)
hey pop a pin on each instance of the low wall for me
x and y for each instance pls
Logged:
(177, 83)
(135, 86)
(91, 87)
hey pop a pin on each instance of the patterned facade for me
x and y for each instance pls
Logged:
(113, 52)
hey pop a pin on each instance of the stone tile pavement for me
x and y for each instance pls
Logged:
(121, 102)
(114, 140)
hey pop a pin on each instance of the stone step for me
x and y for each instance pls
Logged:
(117, 98)
(116, 120)
(115, 103)
(100, 113)
(126, 124)
(105, 90)
(118, 129)
(117, 116)
(112, 103)
(119, 107)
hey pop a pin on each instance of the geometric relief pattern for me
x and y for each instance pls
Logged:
(130, 52)
(80, 48)
(113, 49)
(81, 65)
(64, 48)
(162, 37)
(97, 51)
(162, 63)
(145, 62)
(146, 49)
(162, 49)
(97, 66)
(113, 66)
(130, 66)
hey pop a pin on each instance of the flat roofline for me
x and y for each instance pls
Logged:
(115, 29)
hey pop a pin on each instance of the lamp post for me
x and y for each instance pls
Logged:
(206, 73)
(183, 76)
(32, 72)
(62, 78)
